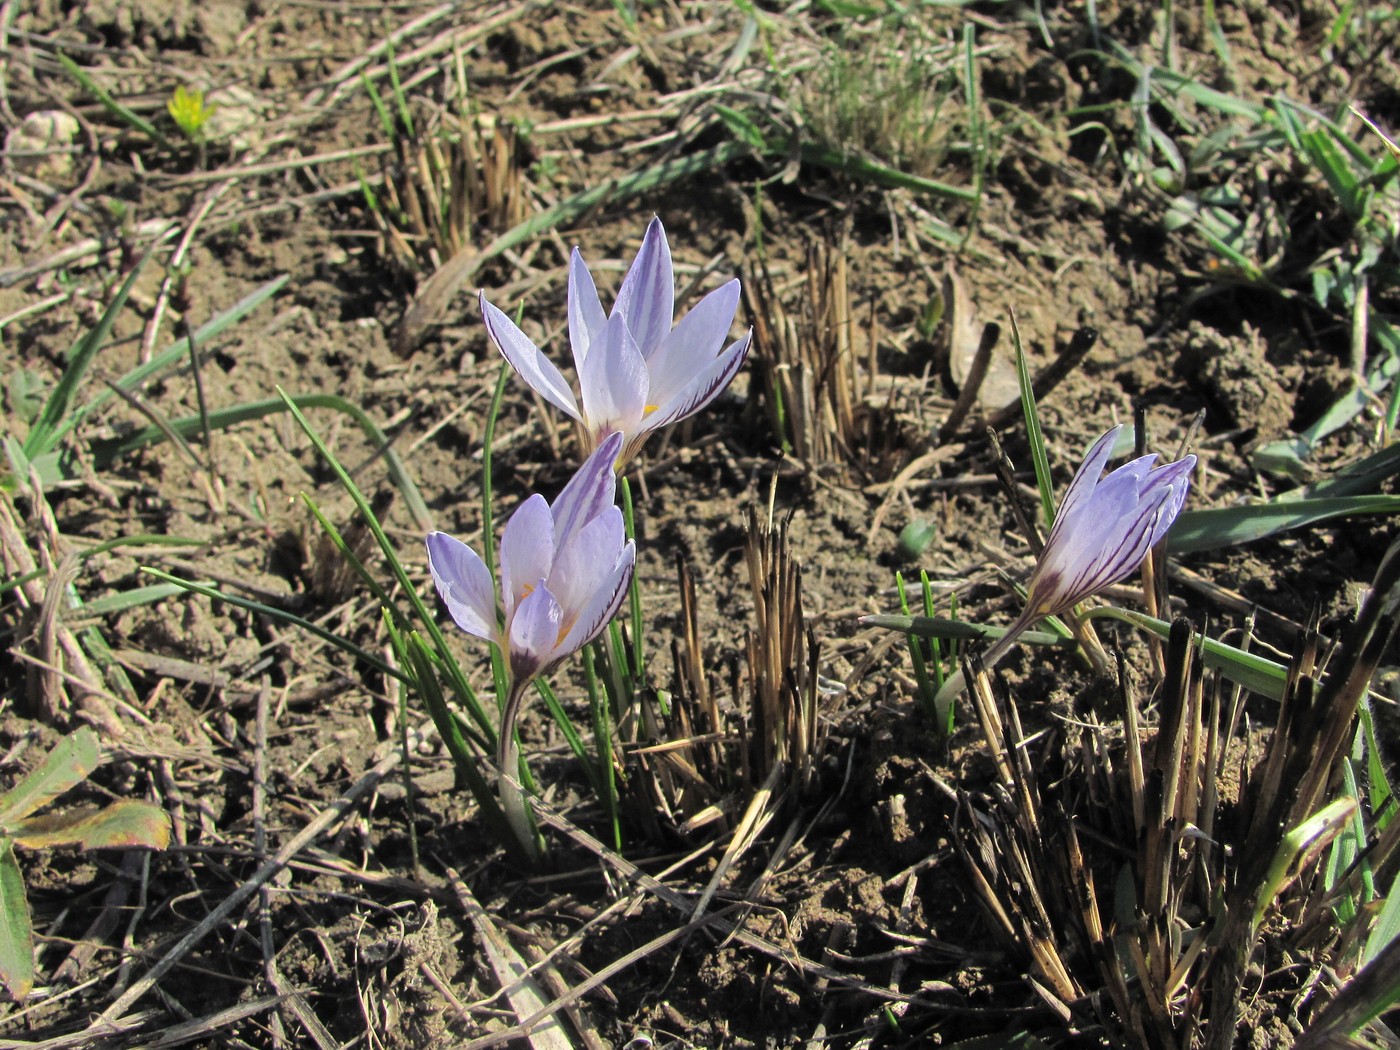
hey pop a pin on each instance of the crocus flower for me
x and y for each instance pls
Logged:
(565, 567)
(636, 373)
(1103, 530)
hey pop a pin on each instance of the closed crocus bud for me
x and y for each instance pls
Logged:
(1103, 530)
(636, 373)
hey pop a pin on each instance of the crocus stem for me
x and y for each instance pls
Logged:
(634, 590)
(1088, 639)
(514, 802)
(957, 681)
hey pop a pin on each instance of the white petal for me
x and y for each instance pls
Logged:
(586, 317)
(586, 559)
(614, 381)
(525, 357)
(534, 633)
(603, 604)
(527, 550)
(464, 583)
(694, 343)
(704, 388)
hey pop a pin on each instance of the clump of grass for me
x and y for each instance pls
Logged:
(816, 364)
(782, 656)
(883, 93)
(709, 763)
(1280, 196)
(453, 180)
(1157, 869)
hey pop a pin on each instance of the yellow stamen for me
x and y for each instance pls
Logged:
(565, 628)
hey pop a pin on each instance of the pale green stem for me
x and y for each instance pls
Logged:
(957, 681)
(514, 802)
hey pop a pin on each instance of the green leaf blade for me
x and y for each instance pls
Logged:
(16, 929)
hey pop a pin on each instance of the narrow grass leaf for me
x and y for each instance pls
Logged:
(601, 772)
(1244, 669)
(105, 453)
(179, 352)
(1355, 479)
(353, 560)
(1216, 527)
(438, 290)
(1321, 149)
(1299, 846)
(110, 103)
(1344, 851)
(281, 616)
(961, 630)
(1387, 924)
(926, 687)
(121, 601)
(464, 691)
(1380, 793)
(142, 540)
(54, 421)
(1170, 85)
(1033, 435)
(455, 735)
(868, 170)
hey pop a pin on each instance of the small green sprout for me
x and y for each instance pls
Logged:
(189, 111)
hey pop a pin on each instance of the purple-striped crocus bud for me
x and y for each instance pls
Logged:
(636, 373)
(565, 568)
(1103, 530)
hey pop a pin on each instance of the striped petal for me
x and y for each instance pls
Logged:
(614, 382)
(589, 493)
(527, 551)
(583, 563)
(603, 604)
(703, 388)
(1177, 477)
(1089, 473)
(535, 631)
(693, 344)
(647, 296)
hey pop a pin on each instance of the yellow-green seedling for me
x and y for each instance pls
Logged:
(125, 824)
(190, 112)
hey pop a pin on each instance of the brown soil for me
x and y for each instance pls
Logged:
(354, 941)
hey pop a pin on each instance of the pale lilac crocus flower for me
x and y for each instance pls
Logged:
(1103, 531)
(636, 373)
(565, 568)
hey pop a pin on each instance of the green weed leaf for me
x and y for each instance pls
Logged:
(63, 768)
(24, 394)
(127, 824)
(16, 931)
